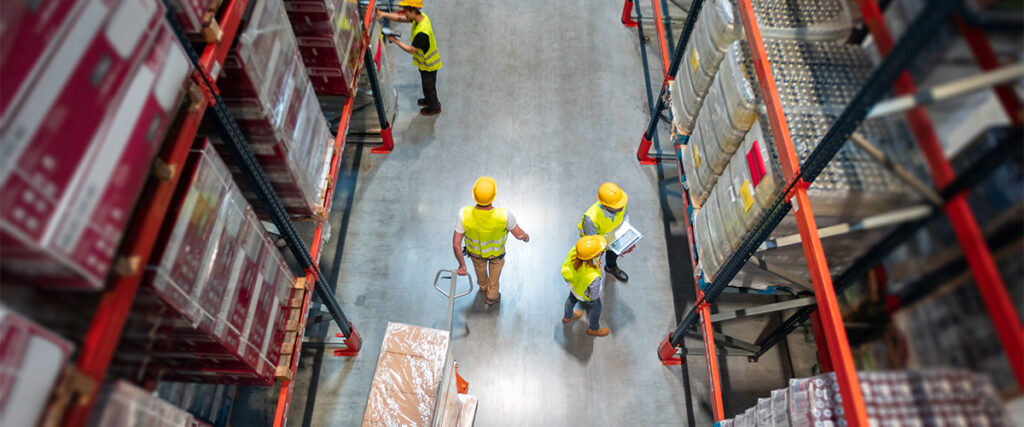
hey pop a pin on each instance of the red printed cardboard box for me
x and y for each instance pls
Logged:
(40, 165)
(32, 360)
(30, 31)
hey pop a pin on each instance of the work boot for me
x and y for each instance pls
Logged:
(576, 314)
(428, 112)
(422, 102)
(618, 273)
(493, 301)
(598, 332)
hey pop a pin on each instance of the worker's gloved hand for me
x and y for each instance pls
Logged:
(461, 271)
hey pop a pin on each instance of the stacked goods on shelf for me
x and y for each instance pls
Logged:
(733, 171)
(217, 289)
(718, 26)
(32, 360)
(77, 146)
(329, 34)
(123, 404)
(210, 403)
(952, 328)
(926, 397)
(266, 87)
(364, 114)
(413, 383)
(192, 14)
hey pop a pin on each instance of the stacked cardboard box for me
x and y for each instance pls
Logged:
(269, 93)
(32, 360)
(329, 34)
(218, 289)
(409, 384)
(124, 404)
(77, 147)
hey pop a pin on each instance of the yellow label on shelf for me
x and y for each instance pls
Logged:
(694, 61)
(696, 155)
(748, 195)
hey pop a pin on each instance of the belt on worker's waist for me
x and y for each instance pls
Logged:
(466, 252)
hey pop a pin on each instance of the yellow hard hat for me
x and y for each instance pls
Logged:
(589, 247)
(411, 3)
(483, 190)
(611, 196)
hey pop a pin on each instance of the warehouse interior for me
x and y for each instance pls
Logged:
(254, 227)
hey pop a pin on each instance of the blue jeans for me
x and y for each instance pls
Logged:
(593, 306)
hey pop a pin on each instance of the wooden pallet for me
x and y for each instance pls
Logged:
(211, 31)
(292, 333)
(74, 387)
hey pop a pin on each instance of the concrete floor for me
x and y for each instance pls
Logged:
(548, 98)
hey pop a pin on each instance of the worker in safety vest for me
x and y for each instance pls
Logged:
(582, 272)
(423, 49)
(485, 229)
(603, 218)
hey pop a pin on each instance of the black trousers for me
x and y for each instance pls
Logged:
(611, 260)
(429, 79)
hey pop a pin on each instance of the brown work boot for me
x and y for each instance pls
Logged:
(493, 301)
(576, 314)
(598, 332)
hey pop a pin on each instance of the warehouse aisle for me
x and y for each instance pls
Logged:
(547, 98)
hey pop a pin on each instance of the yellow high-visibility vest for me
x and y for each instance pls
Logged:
(486, 231)
(579, 280)
(605, 227)
(431, 59)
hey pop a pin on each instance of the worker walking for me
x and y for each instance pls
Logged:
(423, 49)
(603, 218)
(485, 230)
(582, 272)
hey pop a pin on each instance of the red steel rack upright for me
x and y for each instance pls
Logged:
(115, 303)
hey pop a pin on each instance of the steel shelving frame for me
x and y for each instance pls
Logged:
(834, 350)
(105, 329)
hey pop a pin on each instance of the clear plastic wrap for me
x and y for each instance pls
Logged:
(408, 377)
(701, 236)
(689, 161)
(716, 28)
(681, 94)
(32, 360)
(328, 34)
(731, 204)
(218, 292)
(267, 87)
(718, 241)
(124, 404)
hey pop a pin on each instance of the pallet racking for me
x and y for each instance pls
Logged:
(105, 328)
(823, 310)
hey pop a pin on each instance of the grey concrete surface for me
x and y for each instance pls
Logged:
(548, 98)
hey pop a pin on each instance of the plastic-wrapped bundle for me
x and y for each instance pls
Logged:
(270, 95)
(803, 19)
(409, 375)
(716, 28)
(124, 404)
(707, 259)
(721, 243)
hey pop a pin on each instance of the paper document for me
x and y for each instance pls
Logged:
(625, 237)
